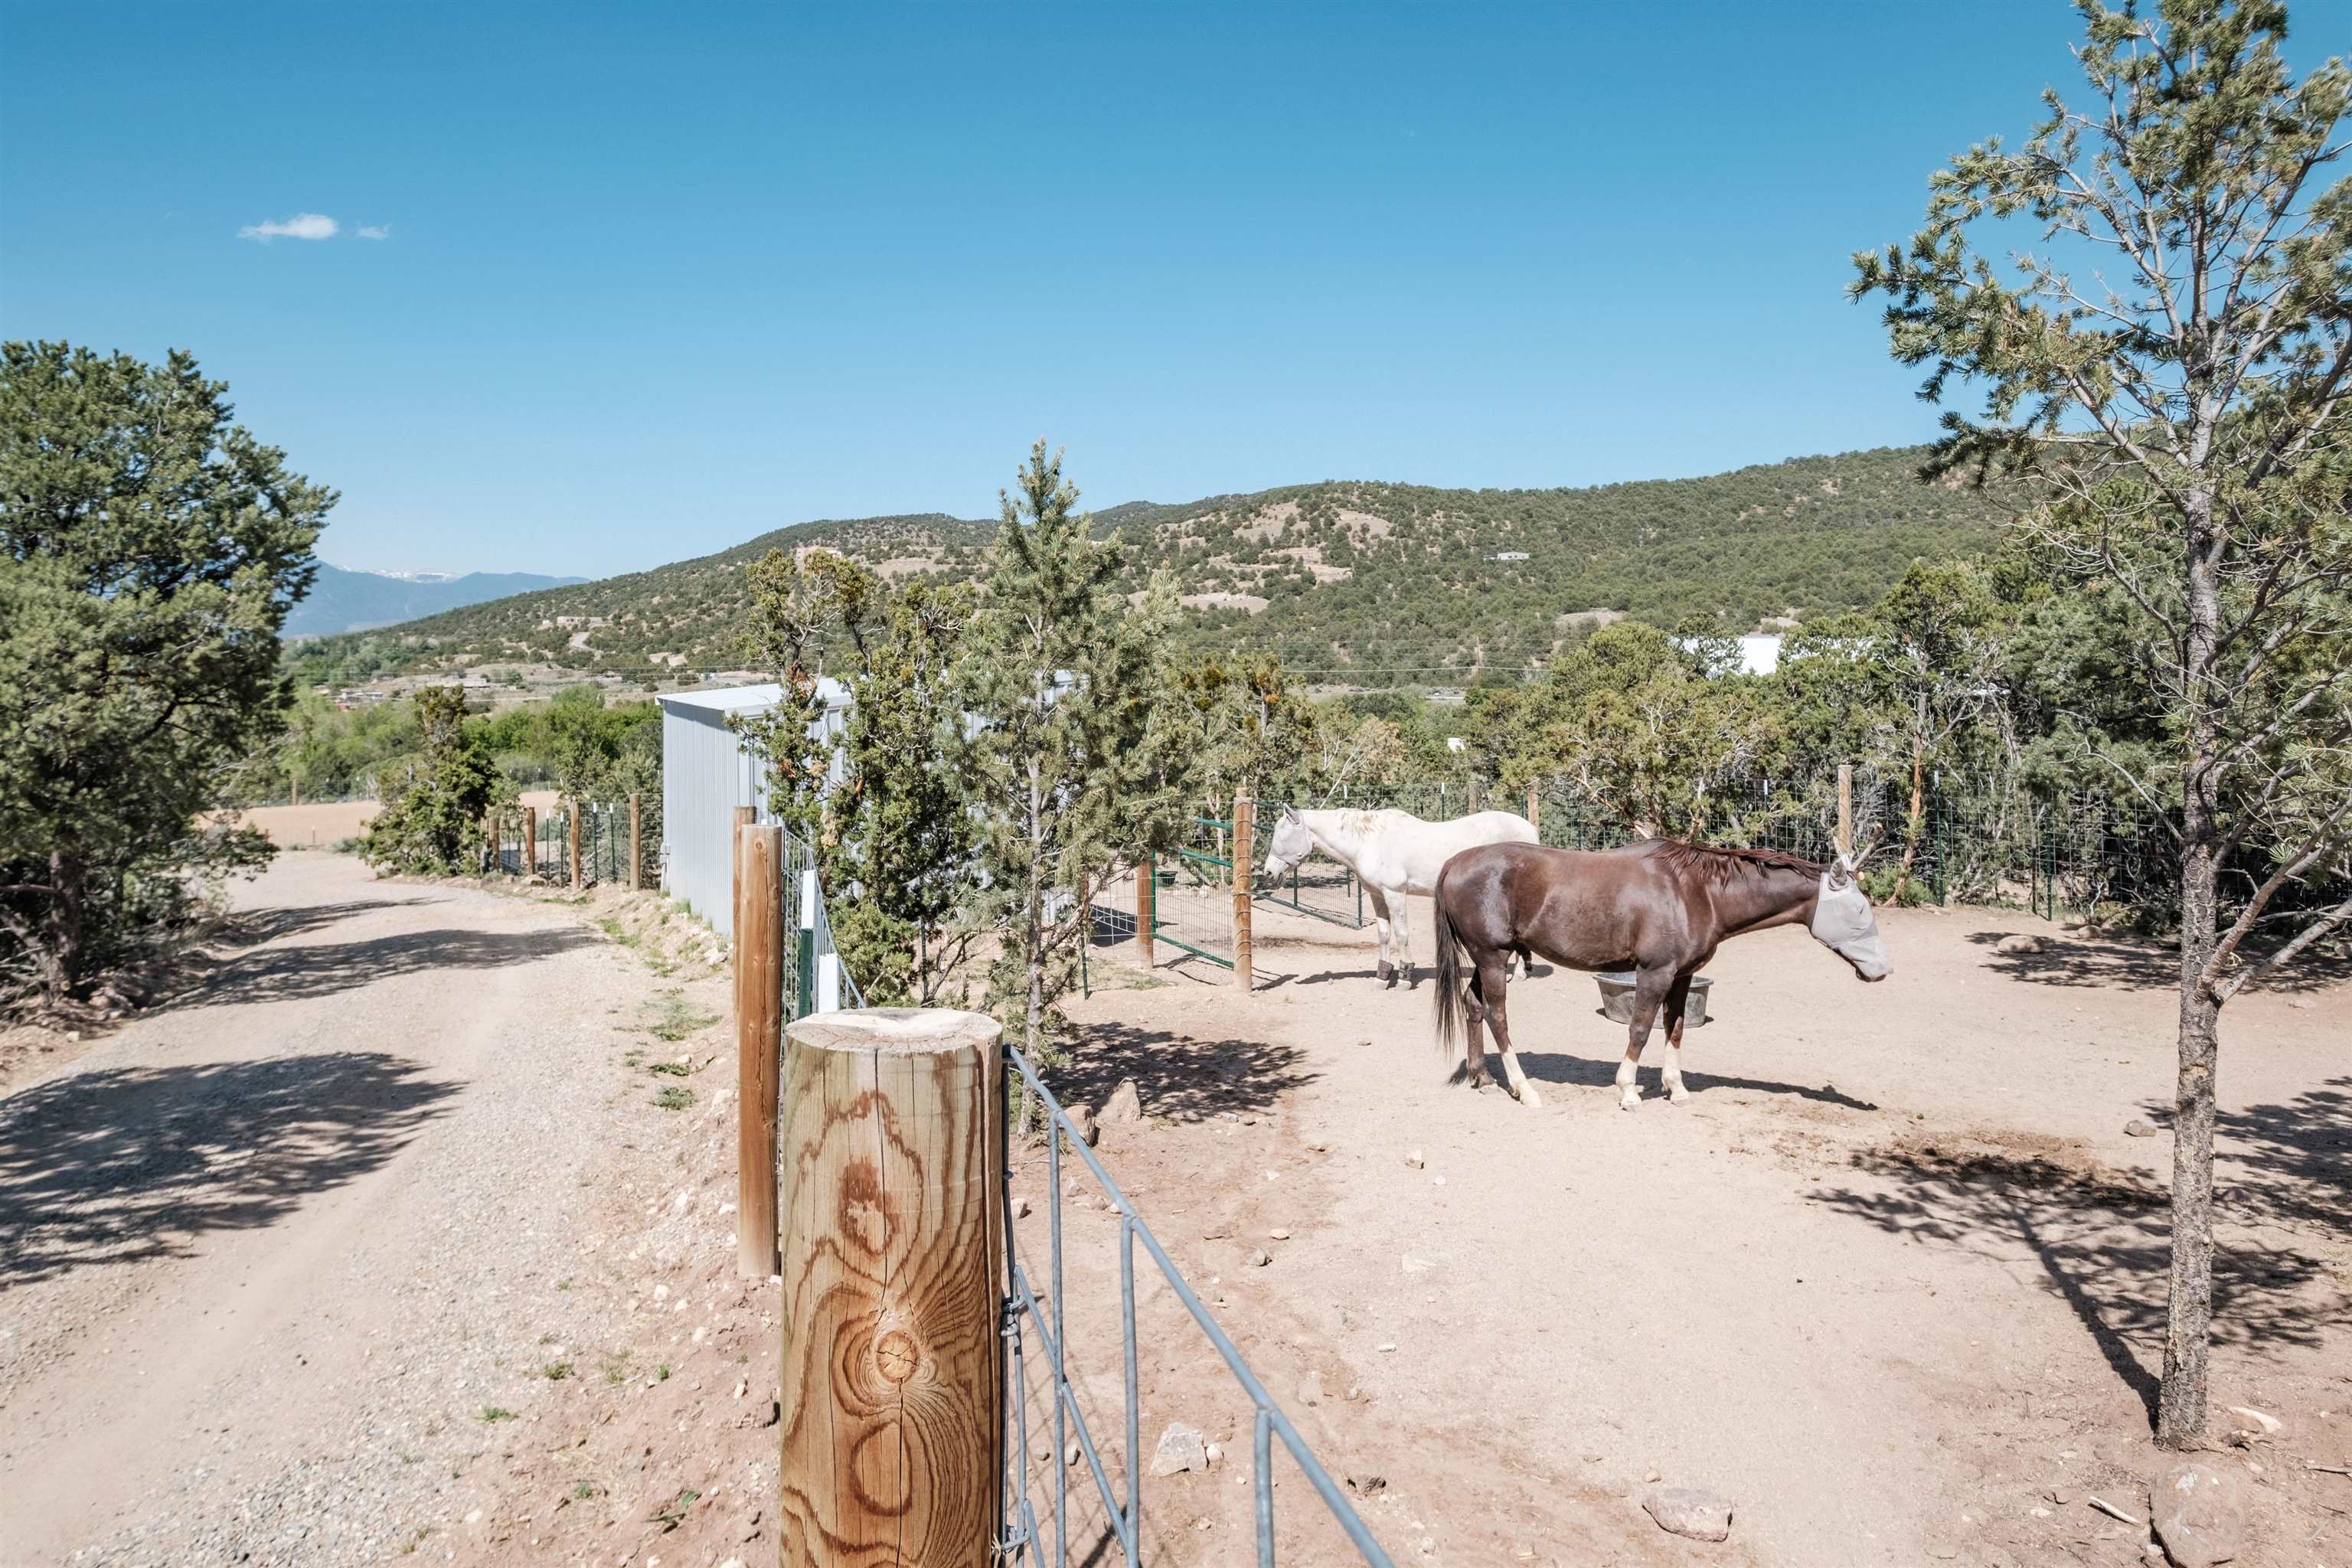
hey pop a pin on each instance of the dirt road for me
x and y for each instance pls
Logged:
(272, 1256)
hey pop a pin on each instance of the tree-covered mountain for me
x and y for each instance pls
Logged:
(346, 601)
(1353, 582)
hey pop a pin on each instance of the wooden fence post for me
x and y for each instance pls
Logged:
(759, 1016)
(1845, 809)
(574, 814)
(530, 842)
(1244, 873)
(636, 860)
(891, 1387)
(744, 817)
(1147, 905)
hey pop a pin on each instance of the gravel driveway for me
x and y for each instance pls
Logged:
(278, 1256)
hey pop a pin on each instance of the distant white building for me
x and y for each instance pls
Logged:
(1759, 653)
(706, 775)
(1508, 555)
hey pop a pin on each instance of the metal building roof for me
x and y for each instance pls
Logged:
(748, 699)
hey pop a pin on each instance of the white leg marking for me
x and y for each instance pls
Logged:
(1403, 934)
(1520, 1086)
(1674, 1089)
(1629, 1092)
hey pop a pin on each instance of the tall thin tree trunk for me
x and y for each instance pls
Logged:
(2180, 1408)
(1916, 821)
(1036, 1013)
(60, 963)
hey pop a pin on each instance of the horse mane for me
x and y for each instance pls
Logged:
(1721, 863)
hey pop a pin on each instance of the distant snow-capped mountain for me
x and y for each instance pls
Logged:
(346, 601)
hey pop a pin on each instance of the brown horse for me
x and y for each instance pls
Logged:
(1659, 909)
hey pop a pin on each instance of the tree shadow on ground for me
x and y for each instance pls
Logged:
(2131, 963)
(250, 928)
(322, 969)
(1584, 1072)
(2103, 1239)
(1180, 1078)
(129, 1163)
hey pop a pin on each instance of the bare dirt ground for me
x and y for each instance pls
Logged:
(1892, 1281)
(322, 825)
(381, 1241)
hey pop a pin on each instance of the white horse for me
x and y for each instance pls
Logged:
(1393, 853)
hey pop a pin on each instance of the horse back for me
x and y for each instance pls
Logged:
(1584, 909)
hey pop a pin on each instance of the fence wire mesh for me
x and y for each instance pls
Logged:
(544, 850)
(1193, 896)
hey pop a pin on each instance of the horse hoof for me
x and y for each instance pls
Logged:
(1531, 1099)
(1627, 1101)
(1677, 1095)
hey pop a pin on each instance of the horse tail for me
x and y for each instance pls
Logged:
(1449, 976)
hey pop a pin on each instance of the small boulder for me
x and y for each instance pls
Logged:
(1181, 1447)
(1125, 1106)
(1082, 1123)
(2020, 944)
(1414, 1160)
(1019, 1207)
(1688, 1511)
(2137, 1127)
(1259, 1257)
(2200, 1512)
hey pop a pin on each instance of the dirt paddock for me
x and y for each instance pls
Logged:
(323, 825)
(1892, 1281)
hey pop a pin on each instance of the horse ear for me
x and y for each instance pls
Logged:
(1289, 813)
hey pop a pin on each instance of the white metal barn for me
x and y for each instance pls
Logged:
(706, 775)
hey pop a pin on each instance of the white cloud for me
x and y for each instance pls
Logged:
(301, 226)
(375, 231)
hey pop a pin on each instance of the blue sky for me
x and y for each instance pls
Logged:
(654, 279)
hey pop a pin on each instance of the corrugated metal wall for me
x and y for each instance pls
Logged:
(705, 776)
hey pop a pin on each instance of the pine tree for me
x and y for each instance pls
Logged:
(435, 802)
(900, 818)
(1059, 752)
(796, 608)
(2186, 409)
(149, 551)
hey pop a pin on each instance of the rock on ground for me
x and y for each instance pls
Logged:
(2200, 1512)
(1125, 1106)
(1181, 1447)
(1687, 1511)
(2021, 943)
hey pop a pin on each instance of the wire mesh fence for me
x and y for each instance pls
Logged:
(1966, 840)
(1193, 896)
(532, 842)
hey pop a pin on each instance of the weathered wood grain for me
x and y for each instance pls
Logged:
(892, 1260)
